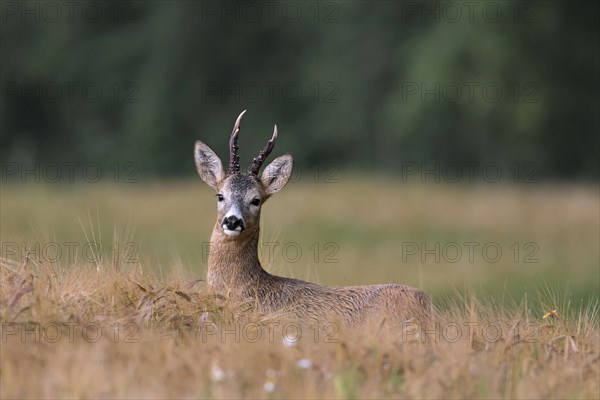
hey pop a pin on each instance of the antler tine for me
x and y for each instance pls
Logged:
(264, 153)
(234, 157)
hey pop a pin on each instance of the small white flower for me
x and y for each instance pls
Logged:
(269, 386)
(304, 363)
(204, 317)
(216, 373)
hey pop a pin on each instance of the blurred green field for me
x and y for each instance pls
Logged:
(361, 230)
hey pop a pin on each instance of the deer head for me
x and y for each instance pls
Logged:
(240, 195)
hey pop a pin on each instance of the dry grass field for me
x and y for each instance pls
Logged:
(101, 293)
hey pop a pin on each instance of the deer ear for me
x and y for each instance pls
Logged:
(208, 164)
(277, 174)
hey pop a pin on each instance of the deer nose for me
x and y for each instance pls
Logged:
(233, 223)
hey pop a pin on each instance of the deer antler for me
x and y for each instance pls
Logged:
(264, 153)
(234, 157)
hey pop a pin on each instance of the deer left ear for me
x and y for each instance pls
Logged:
(208, 164)
(276, 175)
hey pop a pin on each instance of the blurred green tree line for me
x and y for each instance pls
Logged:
(369, 85)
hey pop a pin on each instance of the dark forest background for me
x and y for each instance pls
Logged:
(368, 85)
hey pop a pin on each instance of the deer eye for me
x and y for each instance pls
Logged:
(220, 197)
(255, 202)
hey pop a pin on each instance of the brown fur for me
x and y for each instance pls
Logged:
(235, 270)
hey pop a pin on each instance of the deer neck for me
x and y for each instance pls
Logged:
(233, 263)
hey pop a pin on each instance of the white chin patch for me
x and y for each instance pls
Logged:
(229, 232)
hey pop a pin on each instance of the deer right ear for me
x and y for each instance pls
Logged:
(277, 174)
(208, 164)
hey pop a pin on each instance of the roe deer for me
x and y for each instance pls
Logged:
(234, 269)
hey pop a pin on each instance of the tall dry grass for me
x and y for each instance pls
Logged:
(118, 331)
